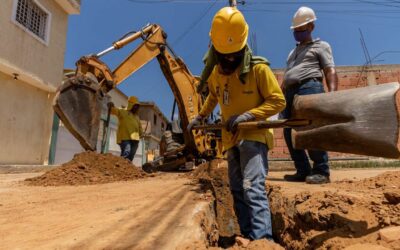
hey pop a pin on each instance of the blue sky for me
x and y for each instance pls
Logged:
(187, 23)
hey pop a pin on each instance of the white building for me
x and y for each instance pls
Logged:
(33, 38)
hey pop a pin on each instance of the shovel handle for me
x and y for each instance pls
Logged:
(286, 123)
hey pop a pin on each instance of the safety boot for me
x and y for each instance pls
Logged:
(317, 179)
(295, 177)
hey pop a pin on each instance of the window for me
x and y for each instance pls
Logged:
(155, 119)
(32, 17)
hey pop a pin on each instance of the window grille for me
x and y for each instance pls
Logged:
(32, 17)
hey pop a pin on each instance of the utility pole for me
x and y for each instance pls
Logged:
(233, 3)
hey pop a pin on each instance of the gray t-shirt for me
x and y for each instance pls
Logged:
(307, 61)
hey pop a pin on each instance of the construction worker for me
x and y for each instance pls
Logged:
(306, 65)
(129, 128)
(246, 90)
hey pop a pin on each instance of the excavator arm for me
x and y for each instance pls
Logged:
(79, 100)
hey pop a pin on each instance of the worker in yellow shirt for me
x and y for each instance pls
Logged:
(246, 90)
(129, 128)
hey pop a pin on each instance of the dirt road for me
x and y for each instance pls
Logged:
(153, 213)
(168, 211)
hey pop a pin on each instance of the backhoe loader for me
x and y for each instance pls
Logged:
(359, 121)
(79, 100)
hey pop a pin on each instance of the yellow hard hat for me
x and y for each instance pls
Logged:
(132, 100)
(229, 30)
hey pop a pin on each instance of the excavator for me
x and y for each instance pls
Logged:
(350, 121)
(80, 98)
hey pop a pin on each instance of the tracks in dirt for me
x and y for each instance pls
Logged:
(142, 214)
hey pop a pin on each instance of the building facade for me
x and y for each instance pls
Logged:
(31, 68)
(154, 124)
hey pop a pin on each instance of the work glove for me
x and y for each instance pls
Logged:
(233, 121)
(195, 122)
(110, 105)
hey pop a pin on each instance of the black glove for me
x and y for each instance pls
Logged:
(110, 105)
(233, 121)
(195, 122)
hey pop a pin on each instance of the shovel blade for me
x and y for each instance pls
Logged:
(78, 103)
(362, 121)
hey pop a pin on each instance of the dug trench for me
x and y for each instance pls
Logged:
(343, 214)
(347, 214)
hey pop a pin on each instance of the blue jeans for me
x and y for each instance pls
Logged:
(128, 148)
(247, 170)
(319, 158)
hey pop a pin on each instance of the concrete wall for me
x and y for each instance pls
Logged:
(25, 124)
(156, 121)
(154, 124)
(26, 52)
(349, 77)
(26, 103)
(118, 98)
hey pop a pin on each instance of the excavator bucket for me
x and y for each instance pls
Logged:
(78, 104)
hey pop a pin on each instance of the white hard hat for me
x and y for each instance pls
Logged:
(303, 16)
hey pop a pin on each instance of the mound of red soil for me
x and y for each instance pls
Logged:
(385, 181)
(352, 212)
(89, 168)
(258, 245)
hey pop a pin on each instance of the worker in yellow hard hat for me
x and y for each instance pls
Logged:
(307, 64)
(129, 127)
(246, 90)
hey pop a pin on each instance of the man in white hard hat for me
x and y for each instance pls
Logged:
(307, 64)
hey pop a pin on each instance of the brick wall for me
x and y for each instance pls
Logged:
(349, 77)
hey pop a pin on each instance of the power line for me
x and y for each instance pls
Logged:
(351, 11)
(364, 47)
(170, 1)
(195, 23)
(378, 3)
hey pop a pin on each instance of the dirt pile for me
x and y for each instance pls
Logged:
(89, 168)
(258, 245)
(385, 181)
(351, 212)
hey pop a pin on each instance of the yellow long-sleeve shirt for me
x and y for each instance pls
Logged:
(129, 127)
(260, 95)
